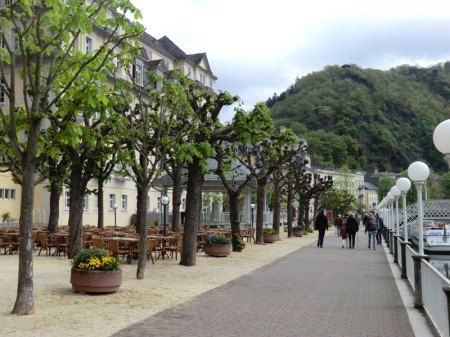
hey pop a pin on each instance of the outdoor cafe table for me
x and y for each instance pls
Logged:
(132, 242)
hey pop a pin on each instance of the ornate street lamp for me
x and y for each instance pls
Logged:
(404, 184)
(441, 139)
(252, 208)
(115, 215)
(418, 172)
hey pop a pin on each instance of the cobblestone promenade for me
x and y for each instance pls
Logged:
(329, 292)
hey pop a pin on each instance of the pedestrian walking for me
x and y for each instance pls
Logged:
(352, 228)
(371, 229)
(380, 227)
(338, 223)
(321, 224)
(344, 236)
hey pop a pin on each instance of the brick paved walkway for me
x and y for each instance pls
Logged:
(314, 291)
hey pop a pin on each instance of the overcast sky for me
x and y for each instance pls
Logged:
(259, 47)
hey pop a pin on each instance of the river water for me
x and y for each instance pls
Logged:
(441, 263)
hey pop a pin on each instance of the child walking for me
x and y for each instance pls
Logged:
(344, 236)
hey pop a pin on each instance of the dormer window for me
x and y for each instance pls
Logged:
(89, 45)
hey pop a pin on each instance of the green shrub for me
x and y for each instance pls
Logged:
(238, 243)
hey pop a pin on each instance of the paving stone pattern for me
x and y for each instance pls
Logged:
(329, 292)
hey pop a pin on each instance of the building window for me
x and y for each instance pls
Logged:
(96, 202)
(88, 45)
(124, 205)
(66, 200)
(112, 201)
(138, 74)
(183, 204)
(202, 78)
(7, 193)
(158, 209)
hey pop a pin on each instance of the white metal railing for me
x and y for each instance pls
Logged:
(434, 298)
(399, 251)
(410, 274)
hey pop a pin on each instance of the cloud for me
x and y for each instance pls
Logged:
(258, 48)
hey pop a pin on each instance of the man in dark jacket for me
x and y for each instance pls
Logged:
(352, 227)
(321, 224)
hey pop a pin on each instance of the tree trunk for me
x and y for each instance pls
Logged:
(276, 204)
(100, 206)
(233, 198)
(141, 226)
(78, 183)
(55, 195)
(193, 208)
(25, 301)
(289, 211)
(176, 198)
(260, 190)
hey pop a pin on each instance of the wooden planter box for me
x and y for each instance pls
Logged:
(95, 281)
(218, 250)
(269, 238)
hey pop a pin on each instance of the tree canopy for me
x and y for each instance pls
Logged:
(367, 118)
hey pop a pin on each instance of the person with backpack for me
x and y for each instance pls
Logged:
(371, 228)
(380, 227)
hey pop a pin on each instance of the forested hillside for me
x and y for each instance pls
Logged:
(367, 118)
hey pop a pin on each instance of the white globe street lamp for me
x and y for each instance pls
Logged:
(164, 202)
(396, 193)
(252, 208)
(418, 172)
(441, 139)
(404, 184)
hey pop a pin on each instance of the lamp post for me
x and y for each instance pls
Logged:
(441, 139)
(252, 208)
(396, 193)
(404, 184)
(115, 215)
(164, 202)
(418, 172)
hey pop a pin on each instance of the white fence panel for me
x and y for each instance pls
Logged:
(434, 298)
(410, 266)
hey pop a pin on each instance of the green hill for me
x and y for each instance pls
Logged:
(367, 118)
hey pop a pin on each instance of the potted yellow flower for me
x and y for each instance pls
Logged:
(95, 271)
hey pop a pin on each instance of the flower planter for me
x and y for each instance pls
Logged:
(95, 281)
(218, 250)
(297, 232)
(269, 238)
